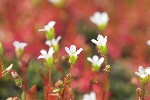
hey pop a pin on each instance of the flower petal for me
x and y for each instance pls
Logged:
(51, 51)
(101, 60)
(90, 59)
(58, 38)
(67, 50)
(141, 70)
(41, 56)
(95, 58)
(43, 52)
(48, 42)
(94, 41)
(78, 51)
(72, 48)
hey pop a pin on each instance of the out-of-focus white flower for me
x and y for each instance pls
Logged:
(73, 53)
(99, 18)
(19, 45)
(19, 48)
(148, 42)
(46, 55)
(96, 62)
(143, 72)
(53, 41)
(49, 26)
(91, 96)
(101, 41)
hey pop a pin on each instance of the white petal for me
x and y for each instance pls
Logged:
(43, 52)
(148, 42)
(48, 42)
(137, 73)
(9, 68)
(78, 51)
(95, 58)
(51, 24)
(67, 50)
(90, 59)
(101, 60)
(147, 70)
(41, 30)
(58, 38)
(72, 48)
(143, 75)
(41, 56)
(94, 41)
(141, 70)
(93, 96)
(51, 51)
(100, 37)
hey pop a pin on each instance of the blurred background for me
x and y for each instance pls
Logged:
(128, 30)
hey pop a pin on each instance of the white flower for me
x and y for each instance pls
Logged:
(101, 41)
(72, 51)
(91, 96)
(143, 72)
(53, 41)
(19, 45)
(46, 55)
(49, 26)
(148, 42)
(99, 18)
(95, 60)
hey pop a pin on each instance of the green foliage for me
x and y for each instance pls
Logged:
(121, 87)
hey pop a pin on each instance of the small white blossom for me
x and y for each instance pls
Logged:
(53, 41)
(19, 45)
(99, 18)
(46, 55)
(49, 26)
(143, 72)
(101, 41)
(72, 51)
(148, 42)
(95, 60)
(91, 96)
